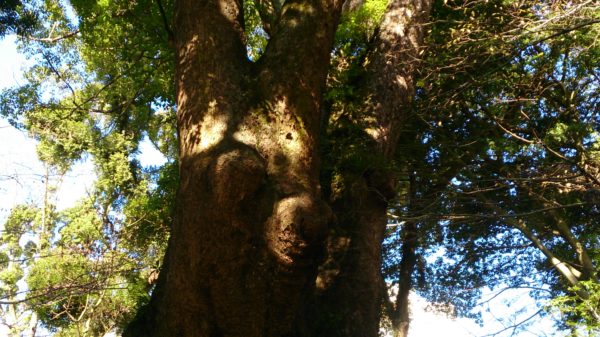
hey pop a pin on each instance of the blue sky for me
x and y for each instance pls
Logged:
(21, 175)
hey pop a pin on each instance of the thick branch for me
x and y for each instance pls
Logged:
(571, 274)
(165, 21)
(391, 68)
(296, 60)
(211, 69)
(50, 39)
(584, 259)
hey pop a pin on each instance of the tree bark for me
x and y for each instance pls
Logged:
(349, 293)
(401, 315)
(251, 226)
(250, 223)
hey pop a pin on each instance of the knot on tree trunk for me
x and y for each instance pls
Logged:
(297, 229)
(235, 176)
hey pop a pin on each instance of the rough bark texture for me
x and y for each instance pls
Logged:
(250, 226)
(250, 222)
(349, 284)
(394, 61)
(347, 302)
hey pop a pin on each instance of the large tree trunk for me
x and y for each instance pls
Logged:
(349, 291)
(250, 226)
(347, 302)
(250, 222)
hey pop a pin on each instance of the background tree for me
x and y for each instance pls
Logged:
(497, 114)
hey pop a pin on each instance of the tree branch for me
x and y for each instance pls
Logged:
(165, 21)
(514, 326)
(54, 39)
(567, 30)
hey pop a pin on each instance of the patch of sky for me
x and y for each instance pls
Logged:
(20, 178)
(461, 182)
(437, 253)
(70, 13)
(533, 151)
(508, 157)
(491, 154)
(454, 181)
(426, 138)
(11, 63)
(591, 139)
(532, 54)
(22, 174)
(160, 105)
(543, 109)
(433, 155)
(148, 155)
(564, 68)
(568, 152)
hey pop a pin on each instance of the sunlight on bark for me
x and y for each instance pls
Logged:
(213, 127)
